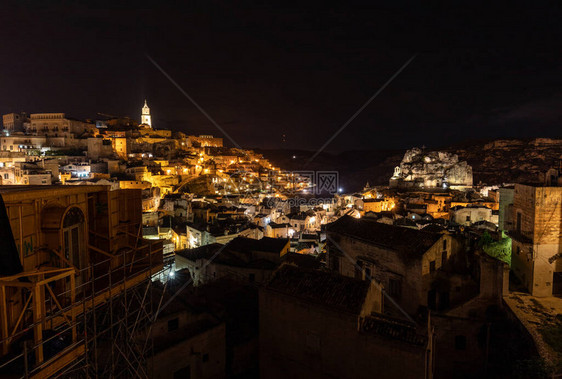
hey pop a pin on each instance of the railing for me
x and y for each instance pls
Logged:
(66, 312)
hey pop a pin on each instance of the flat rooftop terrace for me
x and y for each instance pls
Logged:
(537, 314)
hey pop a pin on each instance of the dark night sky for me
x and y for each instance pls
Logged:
(262, 71)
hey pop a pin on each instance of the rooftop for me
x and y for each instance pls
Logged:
(406, 240)
(266, 244)
(203, 252)
(538, 314)
(302, 260)
(20, 193)
(332, 290)
(239, 255)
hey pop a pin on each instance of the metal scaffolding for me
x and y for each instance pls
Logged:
(93, 328)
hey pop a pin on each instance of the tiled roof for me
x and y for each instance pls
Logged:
(332, 290)
(406, 240)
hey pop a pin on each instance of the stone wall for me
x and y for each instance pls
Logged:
(536, 237)
(303, 340)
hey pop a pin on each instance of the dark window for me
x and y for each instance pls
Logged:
(432, 266)
(518, 222)
(443, 258)
(444, 300)
(395, 287)
(460, 342)
(444, 244)
(359, 270)
(173, 324)
(432, 299)
(334, 263)
(183, 373)
(205, 358)
(467, 218)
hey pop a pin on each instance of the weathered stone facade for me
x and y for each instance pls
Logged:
(307, 330)
(434, 169)
(537, 252)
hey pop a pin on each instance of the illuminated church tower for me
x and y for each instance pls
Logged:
(145, 116)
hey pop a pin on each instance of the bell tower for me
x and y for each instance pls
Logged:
(145, 116)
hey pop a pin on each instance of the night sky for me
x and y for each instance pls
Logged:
(262, 71)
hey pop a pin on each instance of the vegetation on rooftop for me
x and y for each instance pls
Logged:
(500, 250)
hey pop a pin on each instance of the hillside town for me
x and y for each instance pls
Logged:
(133, 251)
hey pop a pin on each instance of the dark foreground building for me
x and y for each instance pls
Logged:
(315, 324)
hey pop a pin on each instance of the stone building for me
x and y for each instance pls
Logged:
(505, 217)
(56, 243)
(405, 261)
(536, 233)
(315, 324)
(100, 148)
(188, 342)
(56, 125)
(204, 141)
(242, 259)
(14, 122)
(28, 173)
(426, 273)
(146, 119)
(432, 169)
(471, 214)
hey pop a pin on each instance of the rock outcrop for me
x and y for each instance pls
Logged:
(434, 169)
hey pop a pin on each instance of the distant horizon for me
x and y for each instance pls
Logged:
(272, 73)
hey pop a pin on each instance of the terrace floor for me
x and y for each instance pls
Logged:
(538, 314)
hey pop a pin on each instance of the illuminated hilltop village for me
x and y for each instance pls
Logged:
(150, 242)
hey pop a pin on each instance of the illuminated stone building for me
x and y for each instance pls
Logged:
(536, 235)
(56, 125)
(204, 141)
(14, 122)
(67, 251)
(146, 119)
